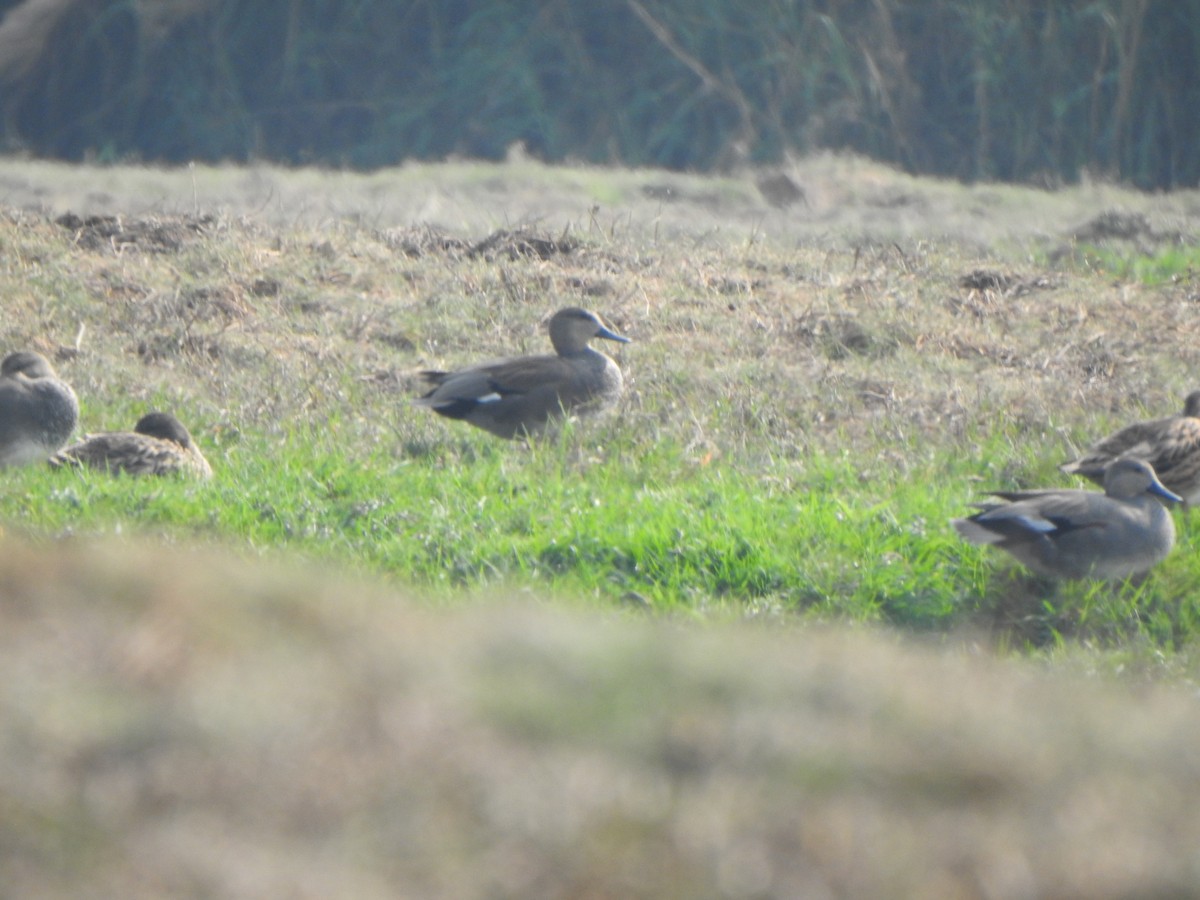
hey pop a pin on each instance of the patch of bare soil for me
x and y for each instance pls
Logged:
(422, 240)
(522, 243)
(1005, 283)
(1116, 224)
(1132, 231)
(839, 335)
(415, 241)
(780, 190)
(152, 235)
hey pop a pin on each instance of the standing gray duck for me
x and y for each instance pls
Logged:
(38, 410)
(1081, 534)
(158, 445)
(517, 397)
(1171, 445)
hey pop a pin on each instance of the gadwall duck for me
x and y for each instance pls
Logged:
(158, 445)
(1081, 534)
(1171, 445)
(38, 410)
(516, 397)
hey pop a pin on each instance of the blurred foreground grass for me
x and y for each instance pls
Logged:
(179, 724)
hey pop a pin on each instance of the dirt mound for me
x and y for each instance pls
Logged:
(522, 243)
(153, 235)
(424, 240)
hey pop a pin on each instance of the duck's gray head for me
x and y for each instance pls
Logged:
(1127, 478)
(571, 329)
(165, 427)
(27, 363)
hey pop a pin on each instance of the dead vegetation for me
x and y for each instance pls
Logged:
(113, 233)
(822, 328)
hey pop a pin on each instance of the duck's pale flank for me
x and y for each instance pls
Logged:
(38, 410)
(516, 397)
(1170, 445)
(158, 445)
(1081, 534)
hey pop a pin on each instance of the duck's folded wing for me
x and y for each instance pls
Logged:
(120, 451)
(986, 528)
(1164, 443)
(1033, 513)
(1176, 454)
(18, 405)
(494, 381)
(83, 452)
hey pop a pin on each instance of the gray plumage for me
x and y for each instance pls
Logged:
(1171, 445)
(38, 410)
(516, 397)
(158, 445)
(1081, 534)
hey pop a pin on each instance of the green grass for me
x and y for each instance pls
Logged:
(1165, 266)
(624, 523)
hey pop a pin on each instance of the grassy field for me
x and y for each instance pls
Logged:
(813, 393)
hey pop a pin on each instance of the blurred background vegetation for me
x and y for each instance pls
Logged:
(1015, 90)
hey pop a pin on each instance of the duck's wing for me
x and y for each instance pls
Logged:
(1034, 514)
(497, 380)
(37, 417)
(18, 408)
(124, 451)
(1167, 444)
(1173, 451)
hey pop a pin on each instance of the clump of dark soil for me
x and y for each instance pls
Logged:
(779, 190)
(841, 335)
(424, 240)
(1115, 224)
(522, 243)
(154, 235)
(1006, 283)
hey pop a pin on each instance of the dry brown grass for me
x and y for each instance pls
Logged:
(887, 303)
(849, 201)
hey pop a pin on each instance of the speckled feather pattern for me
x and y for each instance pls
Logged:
(159, 445)
(1170, 445)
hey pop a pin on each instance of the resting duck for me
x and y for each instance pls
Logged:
(38, 410)
(1171, 445)
(158, 445)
